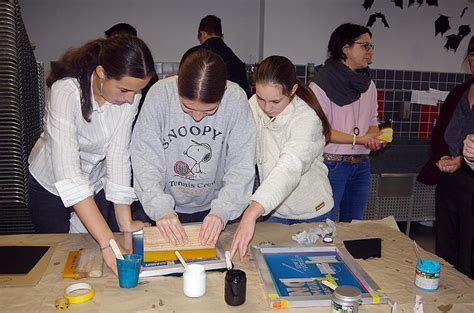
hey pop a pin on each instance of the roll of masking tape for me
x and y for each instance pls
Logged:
(87, 294)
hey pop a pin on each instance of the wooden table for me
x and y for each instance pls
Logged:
(394, 272)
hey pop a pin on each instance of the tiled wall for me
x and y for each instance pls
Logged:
(394, 94)
(394, 89)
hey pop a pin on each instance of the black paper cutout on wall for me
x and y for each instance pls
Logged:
(432, 2)
(453, 41)
(375, 16)
(442, 25)
(368, 4)
(410, 2)
(463, 11)
(398, 3)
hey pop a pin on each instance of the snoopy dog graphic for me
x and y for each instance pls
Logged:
(199, 153)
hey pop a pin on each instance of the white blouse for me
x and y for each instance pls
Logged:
(75, 159)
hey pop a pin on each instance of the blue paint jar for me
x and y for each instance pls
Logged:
(427, 274)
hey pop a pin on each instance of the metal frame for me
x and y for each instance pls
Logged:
(373, 296)
(175, 267)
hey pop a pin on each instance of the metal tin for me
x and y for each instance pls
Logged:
(345, 299)
(427, 274)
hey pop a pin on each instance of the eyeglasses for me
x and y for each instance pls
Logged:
(367, 45)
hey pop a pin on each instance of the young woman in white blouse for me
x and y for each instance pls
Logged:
(291, 134)
(80, 165)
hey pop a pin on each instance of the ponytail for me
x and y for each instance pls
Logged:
(308, 96)
(79, 63)
(119, 55)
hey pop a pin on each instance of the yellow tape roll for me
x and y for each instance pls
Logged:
(89, 294)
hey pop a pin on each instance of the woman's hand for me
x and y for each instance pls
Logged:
(109, 259)
(449, 164)
(246, 229)
(370, 141)
(128, 236)
(375, 144)
(468, 150)
(123, 214)
(109, 256)
(211, 228)
(242, 237)
(133, 226)
(171, 229)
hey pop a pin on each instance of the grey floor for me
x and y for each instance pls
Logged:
(423, 235)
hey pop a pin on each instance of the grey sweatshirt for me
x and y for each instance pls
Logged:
(187, 166)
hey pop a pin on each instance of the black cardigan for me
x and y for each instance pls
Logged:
(430, 173)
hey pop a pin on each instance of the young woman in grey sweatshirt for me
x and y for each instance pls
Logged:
(193, 150)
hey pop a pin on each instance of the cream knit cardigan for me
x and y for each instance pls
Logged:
(294, 179)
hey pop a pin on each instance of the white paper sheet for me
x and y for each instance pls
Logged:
(428, 97)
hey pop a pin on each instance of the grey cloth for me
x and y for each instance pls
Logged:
(342, 85)
(460, 125)
(188, 167)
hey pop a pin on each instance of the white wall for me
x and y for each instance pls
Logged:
(299, 29)
(169, 27)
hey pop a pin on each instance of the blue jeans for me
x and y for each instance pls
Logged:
(350, 189)
(287, 221)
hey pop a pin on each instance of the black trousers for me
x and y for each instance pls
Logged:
(138, 213)
(455, 220)
(49, 215)
(193, 217)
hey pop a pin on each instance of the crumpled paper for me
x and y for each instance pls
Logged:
(327, 229)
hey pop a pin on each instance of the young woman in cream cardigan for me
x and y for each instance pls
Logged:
(291, 134)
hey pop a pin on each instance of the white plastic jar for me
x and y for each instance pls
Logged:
(194, 281)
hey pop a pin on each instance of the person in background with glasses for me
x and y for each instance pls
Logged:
(344, 88)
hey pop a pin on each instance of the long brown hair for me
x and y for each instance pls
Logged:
(279, 70)
(202, 77)
(120, 55)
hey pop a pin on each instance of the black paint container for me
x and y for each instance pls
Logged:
(235, 287)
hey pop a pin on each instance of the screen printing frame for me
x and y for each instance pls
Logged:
(175, 267)
(374, 294)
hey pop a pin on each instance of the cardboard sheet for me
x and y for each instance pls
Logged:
(394, 272)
